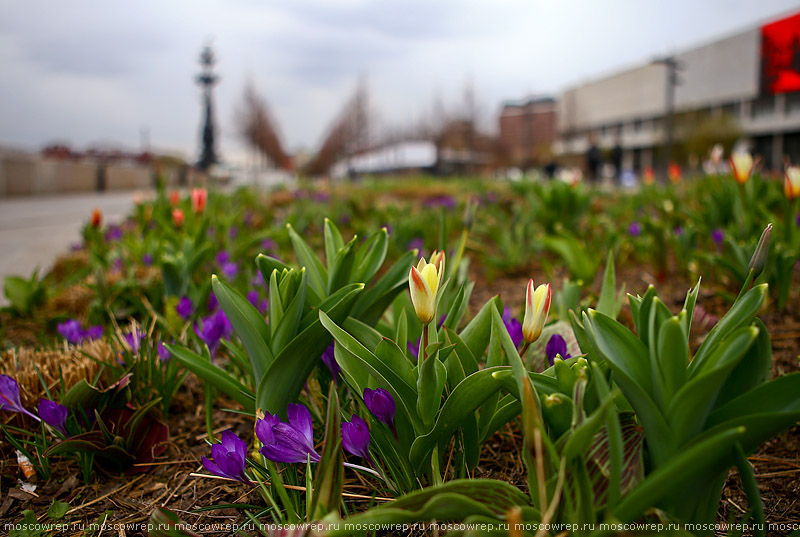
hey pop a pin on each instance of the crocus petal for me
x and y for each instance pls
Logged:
(556, 346)
(211, 467)
(355, 437)
(234, 444)
(54, 415)
(300, 420)
(381, 403)
(9, 397)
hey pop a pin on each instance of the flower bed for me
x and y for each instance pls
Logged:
(401, 389)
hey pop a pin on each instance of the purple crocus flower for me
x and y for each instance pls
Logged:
(212, 329)
(417, 243)
(71, 330)
(513, 326)
(678, 231)
(413, 348)
(556, 345)
(268, 244)
(381, 403)
(185, 308)
(93, 332)
(212, 301)
(330, 360)
(9, 397)
(113, 233)
(248, 219)
(230, 270)
(258, 280)
(260, 304)
(288, 442)
(635, 229)
(448, 202)
(797, 219)
(134, 339)
(163, 353)
(718, 236)
(229, 458)
(355, 438)
(223, 257)
(233, 232)
(54, 415)
(147, 259)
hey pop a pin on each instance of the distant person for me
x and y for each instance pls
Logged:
(593, 161)
(550, 169)
(616, 160)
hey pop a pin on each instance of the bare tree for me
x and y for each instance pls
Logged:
(348, 134)
(258, 128)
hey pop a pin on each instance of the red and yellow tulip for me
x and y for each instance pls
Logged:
(424, 281)
(177, 217)
(199, 199)
(791, 182)
(537, 306)
(742, 164)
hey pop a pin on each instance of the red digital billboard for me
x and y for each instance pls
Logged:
(780, 56)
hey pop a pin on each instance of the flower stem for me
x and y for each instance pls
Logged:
(424, 352)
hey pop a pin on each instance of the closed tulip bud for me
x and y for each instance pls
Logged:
(742, 165)
(759, 258)
(537, 306)
(557, 412)
(174, 198)
(791, 182)
(97, 218)
(199, 199)
(177, 217)
(424, 281)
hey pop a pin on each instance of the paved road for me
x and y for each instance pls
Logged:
(33, 231)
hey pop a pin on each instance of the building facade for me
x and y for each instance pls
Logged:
(527, 131)
(751, 78)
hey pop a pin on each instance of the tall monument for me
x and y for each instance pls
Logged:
(207, 79)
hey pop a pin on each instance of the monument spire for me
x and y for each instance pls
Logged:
(207, 79)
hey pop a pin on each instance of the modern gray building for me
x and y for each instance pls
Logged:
(752, 77)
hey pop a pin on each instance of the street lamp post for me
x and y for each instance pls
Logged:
(673, 66)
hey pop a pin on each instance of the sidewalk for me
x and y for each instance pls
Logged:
(35, 230)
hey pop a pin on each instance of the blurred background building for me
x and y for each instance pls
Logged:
(745, 86)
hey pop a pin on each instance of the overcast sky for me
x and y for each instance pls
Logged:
(89, 72)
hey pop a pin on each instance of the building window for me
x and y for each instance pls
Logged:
(763, 106)
(637, 125)
(793, 103)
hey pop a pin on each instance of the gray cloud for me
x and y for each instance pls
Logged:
(88, 71)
